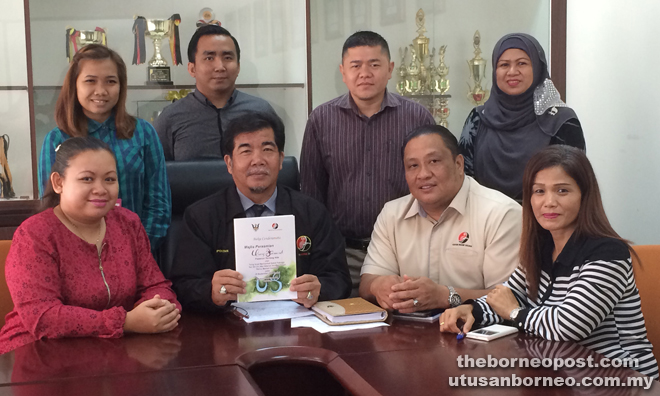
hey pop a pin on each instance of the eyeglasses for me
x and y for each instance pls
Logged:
(240, 312)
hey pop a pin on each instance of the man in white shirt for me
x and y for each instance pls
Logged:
(450, 240)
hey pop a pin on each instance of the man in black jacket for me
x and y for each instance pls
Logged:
(203, 272)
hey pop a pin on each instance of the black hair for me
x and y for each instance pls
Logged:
(447, 137)
(252, 122)
(69, 149)
(365, 38)
(208, 30)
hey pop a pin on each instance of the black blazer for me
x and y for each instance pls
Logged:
(206, 245)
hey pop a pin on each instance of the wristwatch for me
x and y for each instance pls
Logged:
(514, 313)
(454, 298)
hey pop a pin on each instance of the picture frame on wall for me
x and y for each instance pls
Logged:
(392, 12)
(260, 10)
(360, 15)
(334, 19)
(277, 28)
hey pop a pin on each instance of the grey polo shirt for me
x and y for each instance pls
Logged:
(191, 128)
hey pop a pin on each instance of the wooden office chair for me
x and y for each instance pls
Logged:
(646, 277)
(6, 304)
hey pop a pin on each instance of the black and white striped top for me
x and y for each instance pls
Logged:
(588, 295)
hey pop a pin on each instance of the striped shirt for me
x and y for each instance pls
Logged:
(588, 295)
(143, 185)
(352, 163)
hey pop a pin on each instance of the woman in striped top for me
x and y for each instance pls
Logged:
(575, 281)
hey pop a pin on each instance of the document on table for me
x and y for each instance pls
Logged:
(320, 326)
(266, 256)
(272, 310)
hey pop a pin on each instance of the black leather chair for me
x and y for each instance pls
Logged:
(191, 181)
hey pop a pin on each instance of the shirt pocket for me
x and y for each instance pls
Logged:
(465, 267)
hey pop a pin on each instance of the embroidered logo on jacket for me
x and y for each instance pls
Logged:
(255, 227)
(304, 243)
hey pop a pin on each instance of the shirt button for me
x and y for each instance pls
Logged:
(519, 324)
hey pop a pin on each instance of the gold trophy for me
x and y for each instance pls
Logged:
(158, 72)
(420, 80)
(441, 85)
(76, 39)
(401, 86)
(421, 45)
(414, 73)
(477, 66)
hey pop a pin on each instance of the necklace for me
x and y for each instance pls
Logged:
(80, 234)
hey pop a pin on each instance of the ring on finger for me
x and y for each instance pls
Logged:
(310, 296)
(415, 302)
(223, 290)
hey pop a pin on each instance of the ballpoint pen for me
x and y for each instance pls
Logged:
(460, 325)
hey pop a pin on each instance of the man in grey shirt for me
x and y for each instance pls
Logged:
(191, 128)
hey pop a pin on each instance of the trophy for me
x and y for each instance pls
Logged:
(403, 72)
(441, 85)
(207, 17)
(158, 73)
(421, 80)
(477, 66)
(76, 39)
(414, 73)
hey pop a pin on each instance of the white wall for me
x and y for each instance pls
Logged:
(613, 58)
(450, 22)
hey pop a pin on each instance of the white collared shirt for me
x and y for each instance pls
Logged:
(473, 245)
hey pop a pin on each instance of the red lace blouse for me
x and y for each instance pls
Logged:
(58, 287)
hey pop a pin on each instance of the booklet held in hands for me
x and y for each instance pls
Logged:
(266, 256)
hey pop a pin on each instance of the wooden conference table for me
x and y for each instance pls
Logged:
(209, 355)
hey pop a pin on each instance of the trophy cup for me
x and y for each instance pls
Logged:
(441, 85)
(414, 73)
(477, 66)
(76, 39)
(403, 72)
(421, 80)
(421, 45)
(158, 72)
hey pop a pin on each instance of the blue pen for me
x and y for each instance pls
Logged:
(460, 335)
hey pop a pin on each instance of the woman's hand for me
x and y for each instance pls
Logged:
(449, 319)
(502, 300)
(152, 316)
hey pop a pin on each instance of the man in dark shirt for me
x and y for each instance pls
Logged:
(191, 128)
(350, 156)
(203, 272)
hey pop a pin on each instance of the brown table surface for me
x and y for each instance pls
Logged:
(216, 355)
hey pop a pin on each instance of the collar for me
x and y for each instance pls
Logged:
(389, 100)
(247, 202)
(93, 126)
(568, 254)
(203, 100)
(459, 203)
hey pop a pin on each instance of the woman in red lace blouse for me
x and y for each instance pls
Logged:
(83, 267)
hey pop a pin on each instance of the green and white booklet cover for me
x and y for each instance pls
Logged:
(266, 256)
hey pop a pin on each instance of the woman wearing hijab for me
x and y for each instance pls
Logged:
(523, 115)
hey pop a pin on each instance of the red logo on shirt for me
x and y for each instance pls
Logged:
(304, 243)
(463, 237)
(275, 226)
